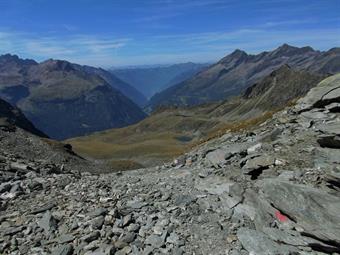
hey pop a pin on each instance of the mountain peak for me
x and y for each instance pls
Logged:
(59, 65)
(286, 49)
(9, 56)
(238, 55)
(14, 58)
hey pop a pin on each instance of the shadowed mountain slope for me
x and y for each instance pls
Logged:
(63, 99)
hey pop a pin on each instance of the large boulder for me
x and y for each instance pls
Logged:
(327, 92)
(316, 211)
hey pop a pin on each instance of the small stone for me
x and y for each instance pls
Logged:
(98, 212)
(155, 241)
(279, 162)
(158, 230)
(126, 250)
(128, 238)
(133, 228)
(120, 245)
(48, 223)
(136, 204)
(65, 238)
(91, 237)
(117, 231)
(104, 249)
(66, 249)
(231, 238)
(98, 222)
(127, 220)
(43, 208)
(254, 148)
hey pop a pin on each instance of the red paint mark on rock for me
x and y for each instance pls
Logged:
(280, 216)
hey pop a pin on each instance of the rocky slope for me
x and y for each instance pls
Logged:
(11, 117)
(239, 70)
(63, 99)
(150, 80)
(274, 189)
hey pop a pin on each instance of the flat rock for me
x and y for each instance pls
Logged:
(214, 185)
(98, 212)
(48, 223)
(155, 241)
(258, 162)
(327, 92)
(66, 249)
(329, 128)
(104, 249)
(217, 157)
(316, 211)
(91, 237)
(43, 208)
(256, 242)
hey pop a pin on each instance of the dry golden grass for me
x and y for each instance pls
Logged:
(156, 139)
(236, 126)
(123, 165)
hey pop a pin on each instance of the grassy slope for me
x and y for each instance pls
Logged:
(159, 138)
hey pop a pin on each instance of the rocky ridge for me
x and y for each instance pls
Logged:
(238, 71)
(271, 190)
(11, 117)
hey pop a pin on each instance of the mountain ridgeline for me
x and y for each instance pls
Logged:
(239, 70)
(63, 99)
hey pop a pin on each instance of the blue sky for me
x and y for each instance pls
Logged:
(142, 32)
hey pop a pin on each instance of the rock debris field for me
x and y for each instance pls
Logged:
(272, 190)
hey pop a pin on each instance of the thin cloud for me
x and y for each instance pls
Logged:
(163, 49)
(68, 47)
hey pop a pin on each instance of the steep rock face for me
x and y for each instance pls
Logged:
(239, 70)
(64, 100)
(11, 117)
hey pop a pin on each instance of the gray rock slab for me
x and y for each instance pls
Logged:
(316, 211)
(256, 242)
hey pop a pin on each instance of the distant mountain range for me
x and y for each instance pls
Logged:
(239, 70)
(129, 91)
(152, 79)
(64, 99)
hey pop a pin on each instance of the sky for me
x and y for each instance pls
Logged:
(112, 33)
